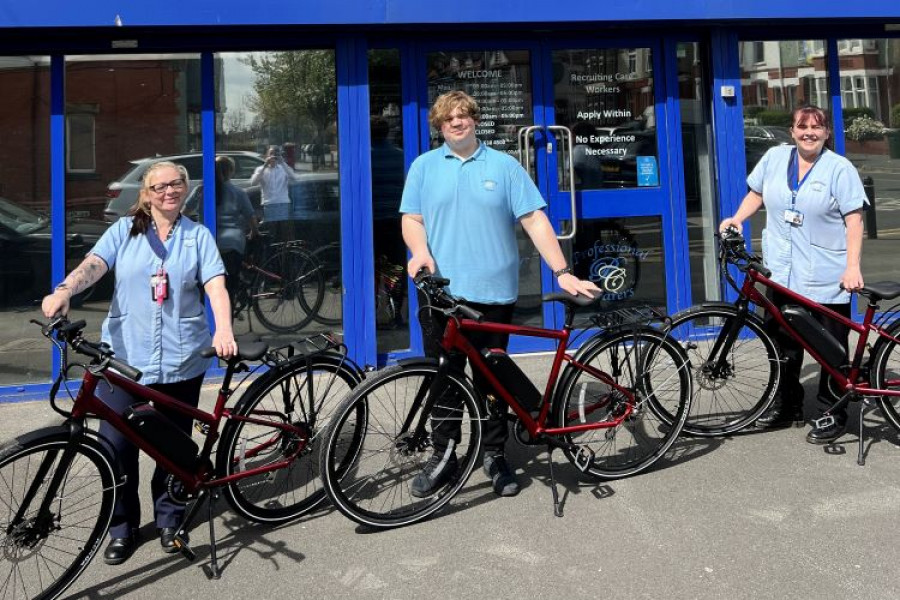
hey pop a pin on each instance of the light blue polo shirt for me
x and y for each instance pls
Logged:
(809, 259)
(162, 341)
(470, 209)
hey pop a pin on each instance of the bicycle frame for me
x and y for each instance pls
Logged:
(455, 340)
(848, 383)
(87, 404)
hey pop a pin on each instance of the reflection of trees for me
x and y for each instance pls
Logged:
(296, 92)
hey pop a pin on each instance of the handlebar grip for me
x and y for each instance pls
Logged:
(470, 313)
(125, 369)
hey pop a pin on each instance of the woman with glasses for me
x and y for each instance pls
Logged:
(812, 244)
(156, 323)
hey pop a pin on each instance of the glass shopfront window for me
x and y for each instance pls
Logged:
(386, 129)
(287, 280)
(776, 78)
(700, 198)
(24, 216)
(122, 114)
(870, 90)
(605, 97)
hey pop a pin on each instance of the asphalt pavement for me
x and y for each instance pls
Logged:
(762, 515)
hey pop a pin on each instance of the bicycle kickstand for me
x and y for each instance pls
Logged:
(213, 571)
(861, 458)
(557, 507)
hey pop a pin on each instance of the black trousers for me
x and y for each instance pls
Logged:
(792, 352)
(127, 511)
(495, 429)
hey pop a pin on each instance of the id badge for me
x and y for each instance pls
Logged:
(794, 217)
(159, 286)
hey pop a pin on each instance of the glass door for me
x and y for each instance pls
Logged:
(606, 157)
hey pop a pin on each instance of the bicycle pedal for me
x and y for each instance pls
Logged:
(184, 548)
(584, 458)
(823, 422)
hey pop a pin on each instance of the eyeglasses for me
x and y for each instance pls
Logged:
(815, 128)
(175, 184)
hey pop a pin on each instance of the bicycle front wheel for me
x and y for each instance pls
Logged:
(298, 393)
(644, 373)
(377, 489)
(44, 553)
(886, 374)
(288, 290)
(733, 383)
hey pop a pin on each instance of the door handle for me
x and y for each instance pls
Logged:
(567, 146)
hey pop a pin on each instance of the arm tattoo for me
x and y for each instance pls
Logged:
(85, 275)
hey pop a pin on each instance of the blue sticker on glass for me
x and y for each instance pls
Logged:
(647, 172)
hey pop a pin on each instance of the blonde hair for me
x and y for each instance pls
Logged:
(445, 104)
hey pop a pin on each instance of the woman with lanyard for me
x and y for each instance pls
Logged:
(812, 244)
(156, 323)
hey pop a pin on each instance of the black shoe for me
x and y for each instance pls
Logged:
(778, 415)
(502, 476)
(830, 432)
(119, 550)
(437, 471)
(167, 539)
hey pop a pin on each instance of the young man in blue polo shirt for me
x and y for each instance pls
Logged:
(460, 206)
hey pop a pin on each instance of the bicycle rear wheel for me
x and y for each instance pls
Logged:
(886, 374)
(298, 393)
(43, 554)
(331, 311)
(288, 290)
(733, 385)
(376, 490)
(645, 371)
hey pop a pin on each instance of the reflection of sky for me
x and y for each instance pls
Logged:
(239, 80)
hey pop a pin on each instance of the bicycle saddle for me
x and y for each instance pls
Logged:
(570, 299)
(251, 351)
(881, 290)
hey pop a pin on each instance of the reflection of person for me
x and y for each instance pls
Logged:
(460, 206)
(812, 243)
(586, 165)
(157, 323)
(235, 221)
(274, 179)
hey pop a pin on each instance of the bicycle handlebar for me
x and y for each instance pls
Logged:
(733, 249)
(71, 333)
(433, 287)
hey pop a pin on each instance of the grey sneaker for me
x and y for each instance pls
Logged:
(501, 475)
(437, 471)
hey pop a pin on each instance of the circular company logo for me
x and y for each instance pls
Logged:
(613, 263)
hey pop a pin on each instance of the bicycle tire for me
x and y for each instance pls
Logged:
(330, 312)
(43, 564)
(886, 374)
(728, 401)
(284, 393)
(375, 491)
(288, 290)
(651, 367)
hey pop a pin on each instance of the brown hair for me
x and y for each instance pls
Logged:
(141, 209)
(447, 103)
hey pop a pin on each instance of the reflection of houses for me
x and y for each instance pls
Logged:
(160, 112)
(785, 75)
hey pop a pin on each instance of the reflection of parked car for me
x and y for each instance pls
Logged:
(25, 247)
(759, 138)
(316, 208)
(123, 192)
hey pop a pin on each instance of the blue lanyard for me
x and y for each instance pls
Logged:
(794, 181)
(153, 239)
